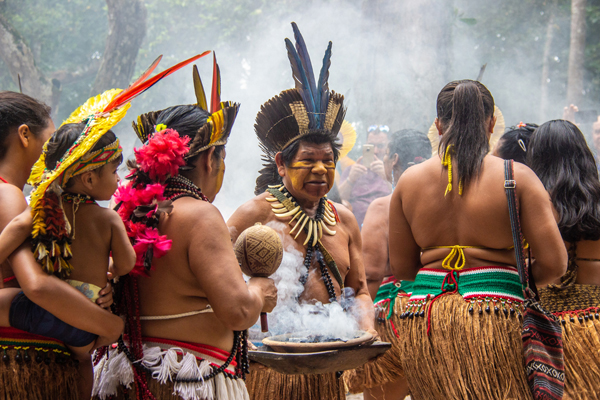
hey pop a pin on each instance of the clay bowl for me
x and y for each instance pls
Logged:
(320, 362)
(293, 343)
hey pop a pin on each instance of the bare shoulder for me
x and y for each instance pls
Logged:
(347, 218)
(197, 212)
(380, 205)
(414, 175)
(109, 215)
(11, 193)
(379, 209)
(257, 209)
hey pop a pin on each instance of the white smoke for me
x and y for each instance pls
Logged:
(337, 320)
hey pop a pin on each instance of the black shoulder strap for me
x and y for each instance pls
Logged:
(515, 224)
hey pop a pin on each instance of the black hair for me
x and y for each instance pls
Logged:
(187, 120)
(463, 109)
(561, 158)
(411, 146)
(290, 152)
(515, 141)
(18, 109)
(64, 138)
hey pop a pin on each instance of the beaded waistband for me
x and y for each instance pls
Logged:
(478, 282)
(31, 345)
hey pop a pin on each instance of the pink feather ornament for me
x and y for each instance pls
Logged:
(162, 156)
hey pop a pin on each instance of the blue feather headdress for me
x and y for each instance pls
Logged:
(310, 108)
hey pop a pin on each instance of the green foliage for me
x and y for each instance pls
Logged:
(63, 35)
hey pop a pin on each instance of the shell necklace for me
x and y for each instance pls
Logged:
(284, 205)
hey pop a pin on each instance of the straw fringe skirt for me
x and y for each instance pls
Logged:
(581, 337)
(40, 374)
(466, 356)
(267, 384)
(34, 380)
(387, 367)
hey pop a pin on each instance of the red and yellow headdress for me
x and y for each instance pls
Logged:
(51, 231)
(218, 126)
(159, 160)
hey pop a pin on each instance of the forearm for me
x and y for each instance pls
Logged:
(365, 309)
(59, 298)
(242, 311)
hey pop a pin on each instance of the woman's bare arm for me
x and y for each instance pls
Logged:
(47, 291)
(539, 227)
(123, 255)
(375, 243)
(15, 233)
(236, 304)
(405, 254)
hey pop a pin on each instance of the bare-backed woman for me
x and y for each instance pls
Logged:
(450, 233)
(37, 367)
(561, 158)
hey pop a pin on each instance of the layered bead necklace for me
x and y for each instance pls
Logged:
(180, 186)
(284, 205)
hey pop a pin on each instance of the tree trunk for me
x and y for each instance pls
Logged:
(546, 62)
(18, 57)
(126, 31)
(576, 52)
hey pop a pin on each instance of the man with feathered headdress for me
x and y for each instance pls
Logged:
(297, 130)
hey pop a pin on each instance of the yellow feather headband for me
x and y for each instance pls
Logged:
(98, 123)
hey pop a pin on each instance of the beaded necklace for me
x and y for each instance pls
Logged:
(75, 199)
(3, 180)
(180, 186)
(284, 205)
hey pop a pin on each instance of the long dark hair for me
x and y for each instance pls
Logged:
(18, 109)
(412, 147)
(463, 109)
(561, 158)
(515, 141)
(187, 121)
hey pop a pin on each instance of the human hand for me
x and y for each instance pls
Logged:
(116, 329)
(569, 113)
(268, 290)
(377, 167)
(106, 294)
(356, 171)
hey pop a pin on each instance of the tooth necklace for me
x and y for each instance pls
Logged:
(284, 205)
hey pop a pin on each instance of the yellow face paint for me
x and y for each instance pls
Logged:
(220, 175)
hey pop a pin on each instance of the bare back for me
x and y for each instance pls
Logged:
(174, 287)
(479, 217)
(91, 243)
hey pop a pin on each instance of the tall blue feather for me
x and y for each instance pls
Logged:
(306, 63)
(323, 88)
(302, 83)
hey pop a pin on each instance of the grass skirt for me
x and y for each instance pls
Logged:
(468, 354)
(578, 306)
(35, 368)
(267, 384)
(387, 367)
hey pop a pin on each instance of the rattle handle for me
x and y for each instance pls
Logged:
(264, 323)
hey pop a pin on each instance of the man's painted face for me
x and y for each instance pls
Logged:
(312, 171)
(380, 140)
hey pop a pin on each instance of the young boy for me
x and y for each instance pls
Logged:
(96, 233)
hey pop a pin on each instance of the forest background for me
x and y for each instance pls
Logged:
(390, 58)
